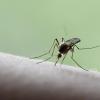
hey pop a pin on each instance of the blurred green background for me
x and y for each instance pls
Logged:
(28, 27)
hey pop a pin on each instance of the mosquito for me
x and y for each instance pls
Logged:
(63, 48)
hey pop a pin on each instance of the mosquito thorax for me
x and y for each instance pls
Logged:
(64, 48)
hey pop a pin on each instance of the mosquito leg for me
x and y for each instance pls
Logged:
(55, 40)
(87, 48)
(51, 55)
(44, 60)
(77, 62)
(56, 45)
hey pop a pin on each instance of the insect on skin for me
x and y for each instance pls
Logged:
(63, 48)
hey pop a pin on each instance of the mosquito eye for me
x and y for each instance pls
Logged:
(59, 55)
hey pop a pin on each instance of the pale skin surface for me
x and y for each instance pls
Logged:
(22, 79)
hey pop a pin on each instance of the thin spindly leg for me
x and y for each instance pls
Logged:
(56, 45)
(54, 42)
(63, 58)
(44, 60)
(87, 48)
(72, 57)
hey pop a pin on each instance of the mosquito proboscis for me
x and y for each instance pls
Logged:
(63, 48)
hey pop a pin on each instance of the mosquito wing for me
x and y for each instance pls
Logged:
(73, 41)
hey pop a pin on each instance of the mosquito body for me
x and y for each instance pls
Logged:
(68, 45)
(63, 48)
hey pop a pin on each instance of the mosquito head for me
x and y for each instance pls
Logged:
(59, 55)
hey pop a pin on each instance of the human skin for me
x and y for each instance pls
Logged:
(22, 79)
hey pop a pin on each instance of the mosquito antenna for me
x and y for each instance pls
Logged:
(65, 31)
